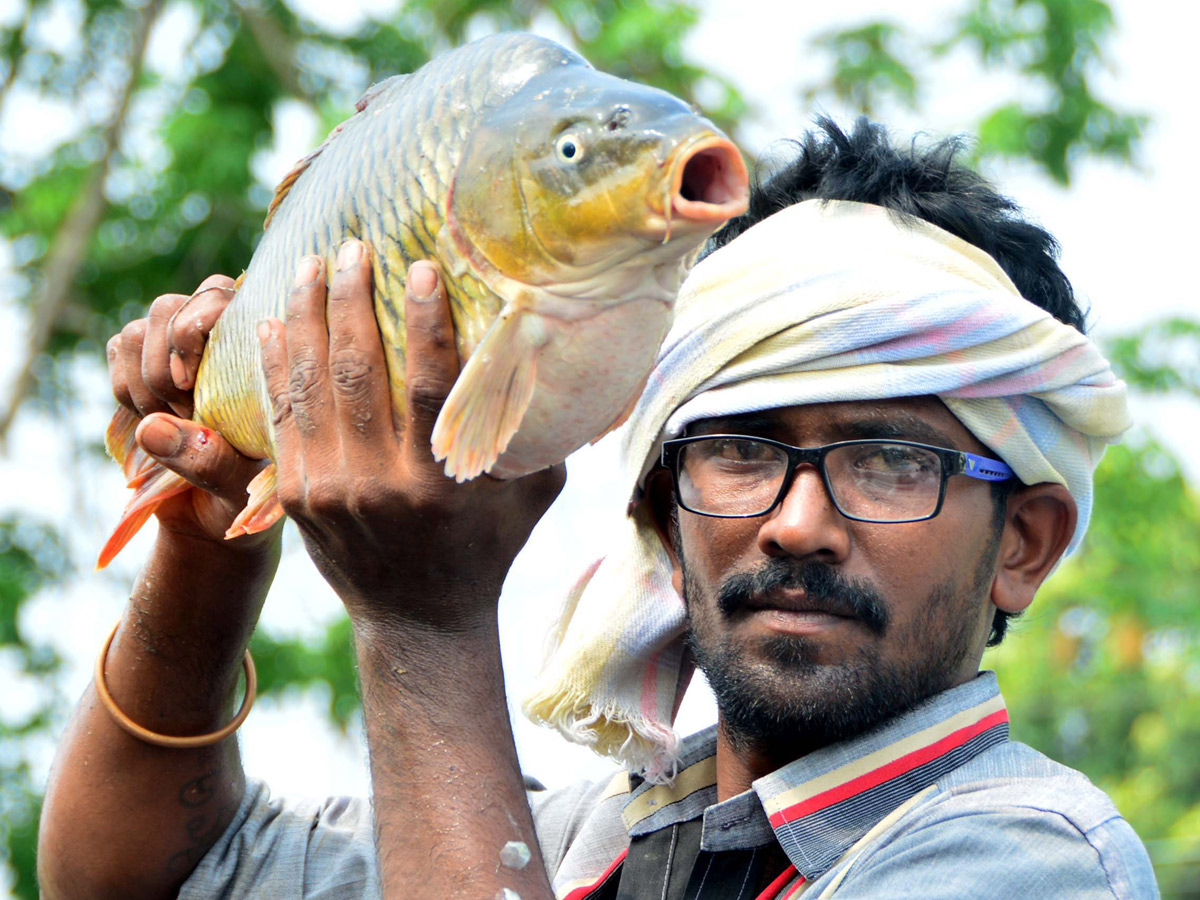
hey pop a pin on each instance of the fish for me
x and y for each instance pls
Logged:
(564, 207)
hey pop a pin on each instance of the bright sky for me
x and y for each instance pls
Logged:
(1125, 234)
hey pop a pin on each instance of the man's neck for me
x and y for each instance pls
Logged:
(741, 759)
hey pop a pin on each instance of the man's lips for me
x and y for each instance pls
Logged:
(794, 613)
(793, 601)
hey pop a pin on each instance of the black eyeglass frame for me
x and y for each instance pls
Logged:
(954, 462)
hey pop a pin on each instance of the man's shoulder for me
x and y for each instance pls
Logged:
(1013, 774)
(579, 826)
(1014, 819)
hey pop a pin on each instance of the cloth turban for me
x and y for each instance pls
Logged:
(824, 301)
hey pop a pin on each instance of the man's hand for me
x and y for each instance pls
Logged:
(398, 540)
(419, 561)
(153, 364)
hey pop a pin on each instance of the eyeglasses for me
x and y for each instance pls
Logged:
(733, 476)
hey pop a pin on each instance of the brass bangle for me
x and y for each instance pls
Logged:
(168, 740)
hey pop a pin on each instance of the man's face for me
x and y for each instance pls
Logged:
(812, 627)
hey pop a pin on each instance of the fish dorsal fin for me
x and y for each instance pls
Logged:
(289, 179)
(376, 89)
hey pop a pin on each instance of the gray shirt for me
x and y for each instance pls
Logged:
(936, 803)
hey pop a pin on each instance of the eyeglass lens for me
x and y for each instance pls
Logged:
(877, 481)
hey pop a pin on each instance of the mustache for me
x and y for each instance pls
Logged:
(822, 584)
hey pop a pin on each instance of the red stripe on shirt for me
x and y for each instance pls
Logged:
(772, 890)
(894, 769)
(580, 892)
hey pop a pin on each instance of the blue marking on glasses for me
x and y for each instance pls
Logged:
(985, 469)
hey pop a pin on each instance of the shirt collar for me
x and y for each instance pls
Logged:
(819, 805)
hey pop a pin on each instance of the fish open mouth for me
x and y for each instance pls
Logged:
(710, 182)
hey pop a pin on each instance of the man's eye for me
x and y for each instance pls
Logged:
(741, 450)
(895, 460)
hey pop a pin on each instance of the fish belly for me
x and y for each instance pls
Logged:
(590, 371)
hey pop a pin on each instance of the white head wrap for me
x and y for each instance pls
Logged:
(824, 301)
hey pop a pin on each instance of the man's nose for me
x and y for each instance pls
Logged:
(805, 523)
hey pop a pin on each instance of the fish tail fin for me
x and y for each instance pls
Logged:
(263, 509)
(153, 483)
(489, 399)
(122, 446)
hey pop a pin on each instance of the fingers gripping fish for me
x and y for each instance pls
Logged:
(563, 205)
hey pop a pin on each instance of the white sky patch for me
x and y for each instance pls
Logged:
(171, 39)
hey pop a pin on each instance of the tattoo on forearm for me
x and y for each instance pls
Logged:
(198, 791)
(203, 828)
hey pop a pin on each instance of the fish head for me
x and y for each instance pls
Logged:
(580, 172)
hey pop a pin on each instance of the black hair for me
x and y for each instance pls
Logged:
(928, 182)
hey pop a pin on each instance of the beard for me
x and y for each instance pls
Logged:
(785, 701)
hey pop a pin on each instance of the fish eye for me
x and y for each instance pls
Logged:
(569, 147)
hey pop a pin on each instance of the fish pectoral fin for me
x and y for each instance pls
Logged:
(154, 484)
(490, 397)
(262, 509)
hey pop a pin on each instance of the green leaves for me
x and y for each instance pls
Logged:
(1160, 357)
(286, 665)
(1055, 47)
(868, 65)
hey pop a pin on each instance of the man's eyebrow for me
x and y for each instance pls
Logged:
(900, 426)
(743, 423)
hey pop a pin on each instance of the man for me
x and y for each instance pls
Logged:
(846, 398)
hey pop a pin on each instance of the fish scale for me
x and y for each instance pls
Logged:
(560, 267)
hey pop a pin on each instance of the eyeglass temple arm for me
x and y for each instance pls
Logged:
(985, 469)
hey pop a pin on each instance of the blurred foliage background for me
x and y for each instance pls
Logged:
(159, 184)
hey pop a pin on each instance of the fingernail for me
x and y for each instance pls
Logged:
(307, 271)
(422, 281)
(160, 437)
(264, 332)
(179, 372)
(349, 255)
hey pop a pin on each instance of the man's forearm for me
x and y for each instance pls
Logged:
(126, 818)
(448, 793)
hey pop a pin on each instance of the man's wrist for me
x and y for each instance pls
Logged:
(245, 557)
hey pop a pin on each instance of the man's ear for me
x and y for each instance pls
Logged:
(660, 502)
(1039, 522)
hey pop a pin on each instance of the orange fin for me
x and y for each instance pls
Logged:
(490, 397)
(119, 438)
(155, 484)
(282, 189)
(298, 169)
(262, 509)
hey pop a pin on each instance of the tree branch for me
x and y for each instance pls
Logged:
(68, 250)
(276, 49)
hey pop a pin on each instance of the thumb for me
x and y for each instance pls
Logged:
(199, 454)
